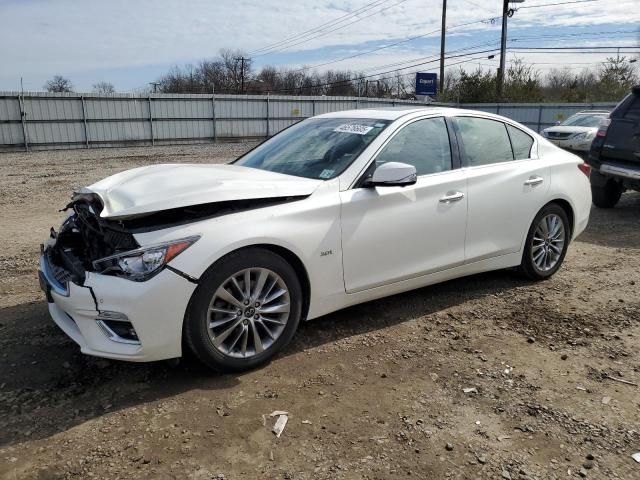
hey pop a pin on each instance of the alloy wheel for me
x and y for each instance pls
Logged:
(248, 312)
(548, 242)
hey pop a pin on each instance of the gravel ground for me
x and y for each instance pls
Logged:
(377, 391)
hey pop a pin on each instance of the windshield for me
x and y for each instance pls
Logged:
(319, 148)
(583, 120)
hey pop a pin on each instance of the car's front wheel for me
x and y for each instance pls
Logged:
(246, 308)
(547, 243)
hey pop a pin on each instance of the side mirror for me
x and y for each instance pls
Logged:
(558, 122)
(393, 174)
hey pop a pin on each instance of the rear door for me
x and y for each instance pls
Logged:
(622, 144)
(506, 183)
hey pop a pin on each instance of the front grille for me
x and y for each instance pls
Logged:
(558, 135)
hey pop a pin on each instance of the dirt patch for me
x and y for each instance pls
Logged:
(489, 376)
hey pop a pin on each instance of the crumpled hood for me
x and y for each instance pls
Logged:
(569, 129)
(163, 187)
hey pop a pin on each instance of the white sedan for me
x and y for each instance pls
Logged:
(339, 209)
(578, 131)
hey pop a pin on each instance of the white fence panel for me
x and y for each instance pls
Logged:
(68, 120)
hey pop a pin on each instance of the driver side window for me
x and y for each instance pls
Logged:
(423, 144)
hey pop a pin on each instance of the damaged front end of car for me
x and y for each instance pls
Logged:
(83, 238)
(87, 242)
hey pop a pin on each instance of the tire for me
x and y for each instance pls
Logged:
(608, 195)
(259, 331)
(541, 260)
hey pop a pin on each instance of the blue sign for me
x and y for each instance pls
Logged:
(426, 83)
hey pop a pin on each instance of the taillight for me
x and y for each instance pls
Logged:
(602, 128)
(585, 168)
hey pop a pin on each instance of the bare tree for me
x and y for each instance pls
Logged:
(59, 84)
(104, 87)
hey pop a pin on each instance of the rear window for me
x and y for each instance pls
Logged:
(633, 112)
(583, 120)
(485, 141)
(520, 142)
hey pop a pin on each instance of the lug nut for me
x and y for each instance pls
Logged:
(246, 302)
(256, 316)
(257, 304)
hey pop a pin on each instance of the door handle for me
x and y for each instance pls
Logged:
(534, 180)
(452, 197)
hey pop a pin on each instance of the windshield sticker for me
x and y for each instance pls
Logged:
(327, 173)
(353, 128)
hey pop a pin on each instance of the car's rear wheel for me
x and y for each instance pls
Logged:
(246, 308)
(547, 243)
(606, 195)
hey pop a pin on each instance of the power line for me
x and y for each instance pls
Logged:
(475, 4)
(323, 33)
(433, 56)
(484, 20)
(321, 27)
(579, 34)
(379, 77)
(386, 72)
(554, 4)
(516, 39)
(580, 47)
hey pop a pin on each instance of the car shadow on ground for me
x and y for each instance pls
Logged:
(47, 386)
(617, 227)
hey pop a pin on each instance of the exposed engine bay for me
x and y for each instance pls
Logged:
(86, 237)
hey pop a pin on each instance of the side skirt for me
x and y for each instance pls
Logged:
(323, 306)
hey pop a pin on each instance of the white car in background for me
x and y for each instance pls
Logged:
(576, 132)
(339, 209)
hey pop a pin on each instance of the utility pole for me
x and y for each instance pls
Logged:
(506, 13)
(442, 37)
(242, 61)
(155, 86)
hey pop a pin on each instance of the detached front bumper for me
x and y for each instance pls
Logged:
(155, 309)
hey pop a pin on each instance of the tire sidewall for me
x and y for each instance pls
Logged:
(528, 265)
(196, 320)
(607, 195)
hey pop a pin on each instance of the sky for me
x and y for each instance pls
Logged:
(130, 43)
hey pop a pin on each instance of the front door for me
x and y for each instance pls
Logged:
(391, 234)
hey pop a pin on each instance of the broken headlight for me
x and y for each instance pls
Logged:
(143, 263)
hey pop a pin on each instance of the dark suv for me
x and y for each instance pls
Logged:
(615, 153)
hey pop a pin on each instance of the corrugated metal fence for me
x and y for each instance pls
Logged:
(538, 116)
(42, 121)
(47, 120)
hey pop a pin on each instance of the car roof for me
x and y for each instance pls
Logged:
(393, 113)
(594, 112)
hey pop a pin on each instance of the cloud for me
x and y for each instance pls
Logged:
(40, 38)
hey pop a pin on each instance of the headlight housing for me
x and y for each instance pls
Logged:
(142, 264)
(584, 136)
